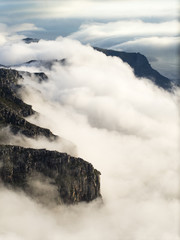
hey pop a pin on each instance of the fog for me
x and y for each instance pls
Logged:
(126, 127)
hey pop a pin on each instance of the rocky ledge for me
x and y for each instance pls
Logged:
(74, 179)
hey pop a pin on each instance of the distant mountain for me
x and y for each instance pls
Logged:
(141, 67)
(137, 61)
(30, 40)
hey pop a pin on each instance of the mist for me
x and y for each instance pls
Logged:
(128, 128)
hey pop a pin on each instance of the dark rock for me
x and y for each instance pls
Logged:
(13, 109)
(141, 67)
(41, 76)
(8, 92)
(30, 40)
(75, 179)
(48, 64)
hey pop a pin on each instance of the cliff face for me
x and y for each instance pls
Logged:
(76, 180)
(13, 110)
(73, 179)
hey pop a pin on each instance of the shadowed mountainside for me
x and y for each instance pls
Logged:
(141, 67)
(13, 110)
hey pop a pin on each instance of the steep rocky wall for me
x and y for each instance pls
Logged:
(13, 110)
(75, 179)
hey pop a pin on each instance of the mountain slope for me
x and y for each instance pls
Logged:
(73, 179)
(13, 110)
(141, 67)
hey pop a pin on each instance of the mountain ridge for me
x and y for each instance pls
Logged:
(141, 67)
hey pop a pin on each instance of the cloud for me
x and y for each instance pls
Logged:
(126, 127)
(10, 33)
(61, 144)
(162, 52)
(100, 31)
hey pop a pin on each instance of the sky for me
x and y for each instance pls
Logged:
(148, 27)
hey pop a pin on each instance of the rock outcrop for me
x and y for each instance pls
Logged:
(75, 179)
(31, 40)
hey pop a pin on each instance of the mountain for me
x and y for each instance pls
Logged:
(141, 67)
(73, 179)
(137, 61)
(13, 110)
(30, 40)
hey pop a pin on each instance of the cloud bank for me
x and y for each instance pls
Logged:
(97, 31)
(126, 127)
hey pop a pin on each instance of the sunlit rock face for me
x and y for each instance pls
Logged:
(74, 179)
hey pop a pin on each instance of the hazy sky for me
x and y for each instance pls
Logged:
(149, 27)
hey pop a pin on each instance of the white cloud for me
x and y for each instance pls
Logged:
(23, 27)
(127, 127)
(158, 41)
(10, 33)
(162, 52)
(99, 31)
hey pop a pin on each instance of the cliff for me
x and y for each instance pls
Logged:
(13, 110)
(74, 179)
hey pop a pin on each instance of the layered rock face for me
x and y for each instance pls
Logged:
(75, 179)
(13, 110)
(38, 171)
